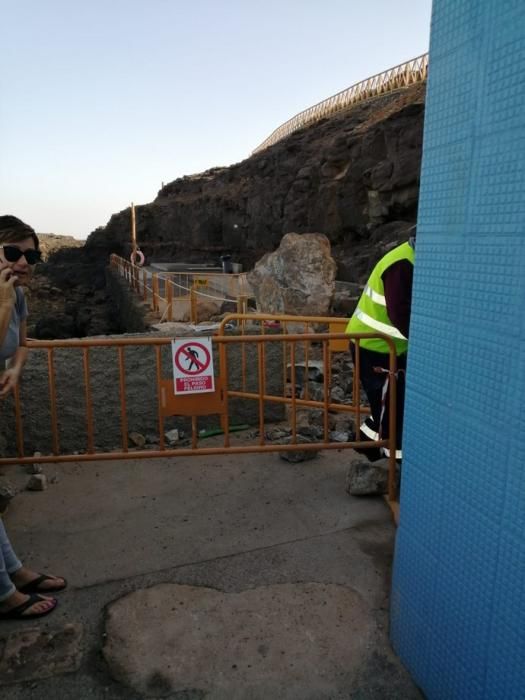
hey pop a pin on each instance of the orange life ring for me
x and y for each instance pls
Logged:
(133, 257)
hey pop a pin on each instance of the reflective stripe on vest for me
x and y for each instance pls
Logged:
(378, 298)
(378, 325)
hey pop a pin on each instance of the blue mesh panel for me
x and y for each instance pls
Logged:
(454, 24)
(458, 592)
(423, 520)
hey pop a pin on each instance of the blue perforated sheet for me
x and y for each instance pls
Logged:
(458, 592)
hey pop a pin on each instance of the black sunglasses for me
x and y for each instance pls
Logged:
(12, 254)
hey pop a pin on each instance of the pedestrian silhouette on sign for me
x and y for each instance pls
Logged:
(195, 356)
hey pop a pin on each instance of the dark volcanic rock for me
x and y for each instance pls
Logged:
(67, 297)
(344, 176)
(353, 177)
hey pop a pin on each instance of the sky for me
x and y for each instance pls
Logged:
(103, 101)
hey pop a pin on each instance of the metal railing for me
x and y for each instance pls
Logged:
(176, 296)
(262, 377)
(403, 75)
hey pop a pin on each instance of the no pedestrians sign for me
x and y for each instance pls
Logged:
(192, 365)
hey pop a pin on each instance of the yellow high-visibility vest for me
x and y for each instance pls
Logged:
(371, 314)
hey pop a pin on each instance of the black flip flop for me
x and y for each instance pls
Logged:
(34, 585)
(18, 612)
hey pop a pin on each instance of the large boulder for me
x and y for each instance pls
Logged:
(298, 278)
(366, 478)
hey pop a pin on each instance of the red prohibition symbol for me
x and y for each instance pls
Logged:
(192, 358)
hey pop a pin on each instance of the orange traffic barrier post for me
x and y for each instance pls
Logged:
(122, 387)
(169, 298)
(89, 404)
(53, 399)
(184, 286)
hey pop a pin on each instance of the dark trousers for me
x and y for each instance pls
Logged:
(373, 383)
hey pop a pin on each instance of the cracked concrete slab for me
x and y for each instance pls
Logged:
(288, 641)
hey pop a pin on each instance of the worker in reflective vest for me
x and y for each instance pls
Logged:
(384, 306)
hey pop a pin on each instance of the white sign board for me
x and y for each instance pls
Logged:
(192, 365)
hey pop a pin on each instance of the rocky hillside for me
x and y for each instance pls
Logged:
(353, 177)
(51, 243)
(67, 297)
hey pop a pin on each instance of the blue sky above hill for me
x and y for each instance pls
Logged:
(104, 101)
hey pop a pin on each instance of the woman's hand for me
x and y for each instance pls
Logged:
(7, 287)
(8, 381)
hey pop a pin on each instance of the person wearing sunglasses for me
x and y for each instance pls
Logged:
(18, 255)
(23, 592)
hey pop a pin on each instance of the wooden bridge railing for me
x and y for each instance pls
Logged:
(403, 75)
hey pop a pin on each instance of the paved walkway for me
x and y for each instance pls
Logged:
(264, 580)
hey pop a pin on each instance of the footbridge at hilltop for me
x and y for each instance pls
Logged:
(396, 78)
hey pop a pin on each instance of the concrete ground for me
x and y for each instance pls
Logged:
(266, 580)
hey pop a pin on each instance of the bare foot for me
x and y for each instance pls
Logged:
(23, 576)
(19, 598)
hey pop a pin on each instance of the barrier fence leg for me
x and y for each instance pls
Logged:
(193, 306)
(169, 299)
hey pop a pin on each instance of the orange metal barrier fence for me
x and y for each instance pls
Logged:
(109, 386)
(174, 295)
(265, 323)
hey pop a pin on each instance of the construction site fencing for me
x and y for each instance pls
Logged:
(403, 75)
(113, 398)
(185, 296)
(267, 323)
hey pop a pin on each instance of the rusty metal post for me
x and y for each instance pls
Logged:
(158, 366)
(223, 374)
(89, 405)
(53, 400)
(18, 422)
(133, 230)
(260, 372)
(154, 290)
(306, 368)
(326, 390)
(293, 389)
(193, 305)
(169, 297)
(123, 407)
(392, 427)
